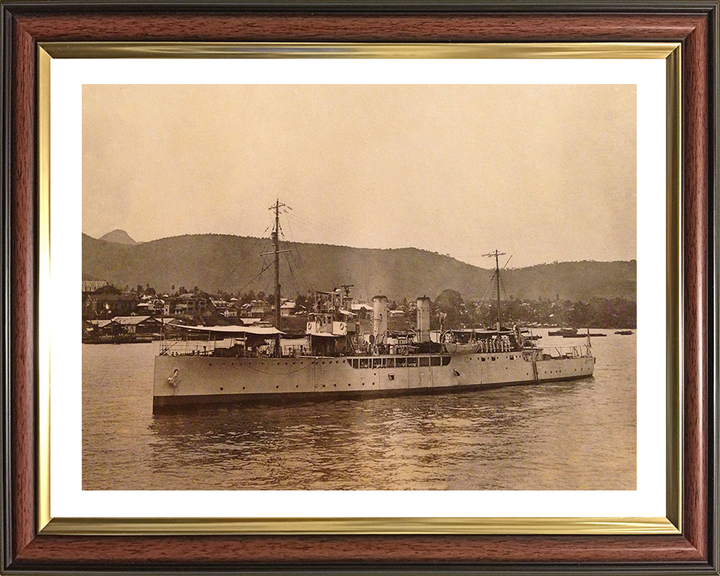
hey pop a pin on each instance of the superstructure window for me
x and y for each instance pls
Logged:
(435, 361)
(424, 361)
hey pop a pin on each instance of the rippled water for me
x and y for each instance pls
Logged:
(565, 436)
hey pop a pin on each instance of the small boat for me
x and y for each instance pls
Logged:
(458, 348)
(565, 332)
(528, 335)
(624, 332)
(590, 334)
(467, 341)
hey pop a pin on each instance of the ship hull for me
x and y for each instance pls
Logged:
(193, 380)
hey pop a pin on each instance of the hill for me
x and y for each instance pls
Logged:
(119, 237)
(215, 262)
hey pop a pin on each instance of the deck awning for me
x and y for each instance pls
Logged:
(229, 331)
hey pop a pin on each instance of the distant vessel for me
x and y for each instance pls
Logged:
(624, 332)
(223, 364)
(528, 335)
(564, 332)
(588, 333)
(574, 333)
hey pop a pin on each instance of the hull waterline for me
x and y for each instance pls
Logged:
(193, 380)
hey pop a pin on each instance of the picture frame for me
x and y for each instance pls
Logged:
(31, 542)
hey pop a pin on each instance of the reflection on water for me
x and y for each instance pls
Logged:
(578, 435)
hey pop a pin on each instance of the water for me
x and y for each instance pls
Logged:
(558, 436)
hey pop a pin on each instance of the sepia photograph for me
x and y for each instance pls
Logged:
(359, 287)
(362, 288)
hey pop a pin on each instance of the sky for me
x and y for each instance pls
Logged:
(541, 172)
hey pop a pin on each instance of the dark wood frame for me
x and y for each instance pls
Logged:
(694, 24)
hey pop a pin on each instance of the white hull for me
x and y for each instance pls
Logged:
(188, 380)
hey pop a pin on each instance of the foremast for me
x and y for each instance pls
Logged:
(276, 250)
(497, 255)
(276, 253)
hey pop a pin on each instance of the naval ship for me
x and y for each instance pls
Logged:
(335, 359)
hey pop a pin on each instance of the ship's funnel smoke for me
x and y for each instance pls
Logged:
(423, 319)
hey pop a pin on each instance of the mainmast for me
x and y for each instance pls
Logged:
(497, 281)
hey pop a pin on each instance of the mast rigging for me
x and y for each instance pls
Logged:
(276, 253)
(497, 255)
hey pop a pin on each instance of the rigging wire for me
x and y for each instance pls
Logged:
(487, 287)
(292, 236)
(309, 261)
(303, 281)
(309, 224)
(299, 261)
(254, 278)
(229, 274)
(299, 264)
(492, 278)
(503, 291)
(281, 233)
(237, 263)
(293, 277)
(502, 284)
(295, 260)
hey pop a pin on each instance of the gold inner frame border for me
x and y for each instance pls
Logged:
(671, 524)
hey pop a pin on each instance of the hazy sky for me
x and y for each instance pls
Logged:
(540, 172)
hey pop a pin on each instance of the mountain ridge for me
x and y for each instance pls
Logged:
(216, 262)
